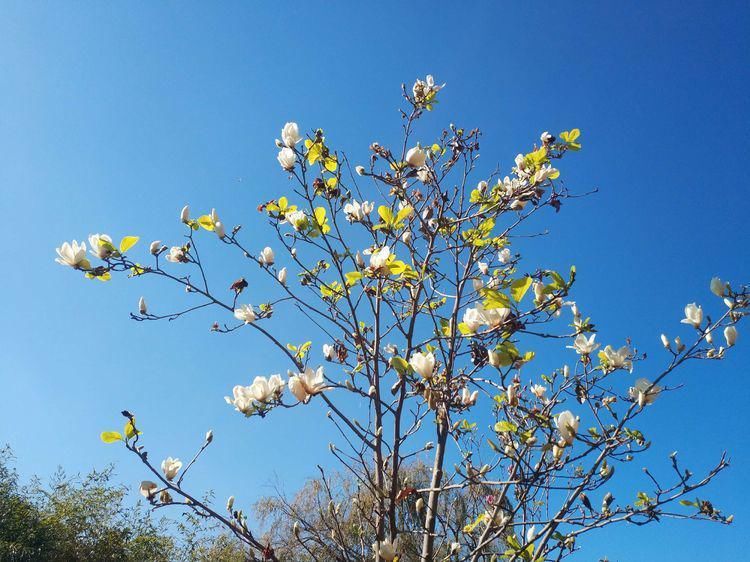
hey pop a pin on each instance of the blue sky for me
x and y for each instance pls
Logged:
(113, 116)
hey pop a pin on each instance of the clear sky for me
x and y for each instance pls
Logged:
(114, 115)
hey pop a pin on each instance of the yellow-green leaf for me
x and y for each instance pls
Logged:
(206, 222)
(128, 242)
(110, 436)
(519, 287)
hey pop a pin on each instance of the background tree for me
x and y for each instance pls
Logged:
(414, 277)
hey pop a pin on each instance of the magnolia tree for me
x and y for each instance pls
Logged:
(407, 264)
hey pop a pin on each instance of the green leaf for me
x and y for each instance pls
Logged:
(386, 214)
(494, 299)
(505, 427)
(353, 277)
(519, 287)
(110, 436)
(206, 222)
(400, 364)
(128, 242)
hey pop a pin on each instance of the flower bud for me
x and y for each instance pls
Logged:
(209, 436)
(185, 214)
(730, 334)
(220, 230)
(155, 247)
(678, 343)
(406, 237)
(360, 170)
(717, 287)
(493, 357)
(419, 505)
(282, 276)
(665, 341)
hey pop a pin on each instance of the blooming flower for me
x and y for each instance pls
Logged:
(282, 276)
(424, 90)
(423, 174)
(538, 390)
(474, 319)
(307, 384)
(242, 399)
(416, 157)
(718, 287)
(619, 359)
(245, 313)
(101, 246)
(263, 389)
(286, 158)
(357, 212)
(640, 392)
(170, 467)
(379, 259)
(290, 135)
(266, 256)
(583, 345)
(567, 425)
(468, 398)
(385, 549)
(298, 220)
(328, 352)
(72, 255)
(693, 315)
(504, 255)
(423, 363)
(177, 255)
(730, 334)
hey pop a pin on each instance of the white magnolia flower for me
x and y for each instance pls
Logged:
(619, 359)
(328, 352)
(730, 334)
(641, 394)
(385, 549)
(185, 214)
(245, 313)
(307, 384)
(424, 90)
(72, 254)
(263, 389)
(693, 315)
(478, 284)
(360, 170)
(567, 425)
(718, 288)
(142, 307)
(148, 489)
(416, 157)
(379, 258)
(423, 363)
(474, 319)
(469, 398)
(406, 237)
(357, 212)
(267, 256)
(242, 399)
(290, 135)
(101, 246)
(495, 317)
(484, 267)
(170, 467)
(298, 220)
(544, 173)
(583, 345)
(219, 229)
(230, 503)
(282, 276)
(546, 137)
(177, 255)
(665, 341)
(531, 533)
(286, 158)
(423, 174)
(538, 390)
(504, 255)
(155, 247)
